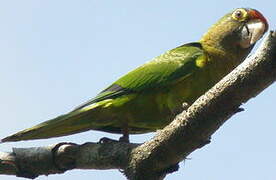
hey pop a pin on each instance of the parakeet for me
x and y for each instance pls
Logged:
(149, 97)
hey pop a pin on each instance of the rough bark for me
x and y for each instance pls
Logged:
(159, 156)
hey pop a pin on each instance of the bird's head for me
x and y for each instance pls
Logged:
(237, 30)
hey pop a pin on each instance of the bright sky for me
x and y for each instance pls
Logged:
(57, 54)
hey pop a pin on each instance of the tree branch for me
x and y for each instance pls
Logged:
(159, 156)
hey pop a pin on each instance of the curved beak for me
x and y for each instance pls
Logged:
(254, 29)
(254, 14)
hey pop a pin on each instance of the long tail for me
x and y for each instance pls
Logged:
(71, 123)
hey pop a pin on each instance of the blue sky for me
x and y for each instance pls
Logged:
(57, 54)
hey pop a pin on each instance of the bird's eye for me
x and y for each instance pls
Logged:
(239, 14)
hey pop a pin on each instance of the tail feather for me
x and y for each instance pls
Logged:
(71, 123)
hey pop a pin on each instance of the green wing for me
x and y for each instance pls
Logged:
(162, 71)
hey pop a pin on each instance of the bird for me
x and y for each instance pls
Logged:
(149, 97)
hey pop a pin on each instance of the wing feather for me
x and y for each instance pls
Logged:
(160, 72)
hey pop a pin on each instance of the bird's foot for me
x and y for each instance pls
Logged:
(179, 110)
(185, 106)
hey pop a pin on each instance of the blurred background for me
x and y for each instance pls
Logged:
(56, 55)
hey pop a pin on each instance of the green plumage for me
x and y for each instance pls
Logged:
(149, 97)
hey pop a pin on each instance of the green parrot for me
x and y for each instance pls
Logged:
(149, 97)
